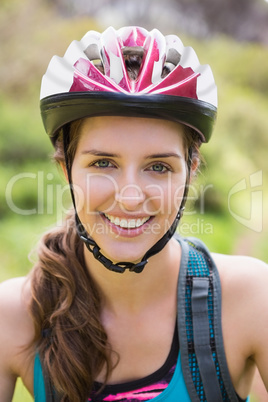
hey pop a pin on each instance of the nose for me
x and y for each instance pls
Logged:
(130, 197)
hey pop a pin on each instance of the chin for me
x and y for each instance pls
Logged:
(124, 257)
(123, 252)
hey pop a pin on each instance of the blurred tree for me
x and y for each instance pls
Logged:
(245, 20)
(242, 19)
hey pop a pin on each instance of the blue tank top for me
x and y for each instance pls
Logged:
(177, 386)
(170, 394)
(39, 384)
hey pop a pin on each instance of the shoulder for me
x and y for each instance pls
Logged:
(241, 272)
(244, 283)
(14, 298)
(17, 330)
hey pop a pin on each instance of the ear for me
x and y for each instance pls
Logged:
(63, 167)
(194, 167)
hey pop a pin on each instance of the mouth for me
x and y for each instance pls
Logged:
(127, 223)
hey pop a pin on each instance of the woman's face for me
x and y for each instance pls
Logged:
(129, 176)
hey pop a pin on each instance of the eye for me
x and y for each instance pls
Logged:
(102, 163)
(159, 168)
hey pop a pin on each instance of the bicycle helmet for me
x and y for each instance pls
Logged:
(93, 79)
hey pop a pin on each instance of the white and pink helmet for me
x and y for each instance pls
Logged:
(170, 84)
(73, 87)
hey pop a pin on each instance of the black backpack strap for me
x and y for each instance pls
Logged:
(203, 358)
(202, 339)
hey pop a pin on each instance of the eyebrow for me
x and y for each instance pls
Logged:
(113, 155)
(99, 153)
(164, 155)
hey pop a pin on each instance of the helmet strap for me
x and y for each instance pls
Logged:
(121, 267)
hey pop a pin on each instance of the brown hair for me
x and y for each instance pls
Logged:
(71, 341)
(66, 304)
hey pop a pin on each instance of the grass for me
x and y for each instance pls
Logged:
(18, 237)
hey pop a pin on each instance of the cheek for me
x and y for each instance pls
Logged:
(94, 192)
(164, 198)
(178, 196)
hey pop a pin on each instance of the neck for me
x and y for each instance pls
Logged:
(131, 291)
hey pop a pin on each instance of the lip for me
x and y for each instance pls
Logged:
(127, 232)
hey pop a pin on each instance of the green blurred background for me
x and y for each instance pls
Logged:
(227, 206)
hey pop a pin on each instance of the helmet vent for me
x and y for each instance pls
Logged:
(133, 59)
(173, 57)
(93, 54)
(172, 60)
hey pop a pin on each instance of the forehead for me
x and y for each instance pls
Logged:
(126, 131)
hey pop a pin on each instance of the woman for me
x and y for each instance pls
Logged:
(117, 307)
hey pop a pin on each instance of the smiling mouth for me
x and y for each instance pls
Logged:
(127, 223)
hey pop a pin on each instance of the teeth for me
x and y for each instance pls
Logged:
(132, 223)
(123, 223)
(127, 223)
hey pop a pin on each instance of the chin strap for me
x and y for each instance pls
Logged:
(121, 267)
